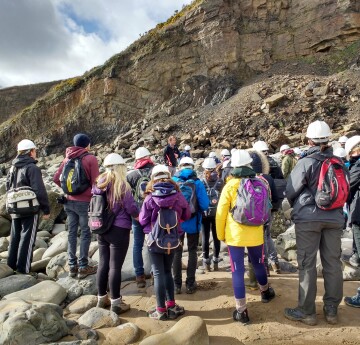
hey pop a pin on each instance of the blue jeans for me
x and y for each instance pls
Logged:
(269, 246)
(77, 215)
(139, 237)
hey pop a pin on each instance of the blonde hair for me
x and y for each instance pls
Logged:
(150, 185)
(115, 178)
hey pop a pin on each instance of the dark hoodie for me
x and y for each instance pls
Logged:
(165, 195)
(91, 167)
(28, 174)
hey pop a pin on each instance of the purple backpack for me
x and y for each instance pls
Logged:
(253, 204)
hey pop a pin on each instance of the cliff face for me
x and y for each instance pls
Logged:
(199, 58)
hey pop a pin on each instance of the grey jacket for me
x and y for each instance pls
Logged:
(301, 189)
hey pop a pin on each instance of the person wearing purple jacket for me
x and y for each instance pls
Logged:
(163, 192)
(113, 245)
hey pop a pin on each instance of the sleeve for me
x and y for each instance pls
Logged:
(145, 212)
(130, 205)
(354, 181)
(185, 208)
(296, 182)
(37, 184)
(222, 212)
(56, 177)
(93, 168)
(202, 196)
(274, 194)
(166, 160)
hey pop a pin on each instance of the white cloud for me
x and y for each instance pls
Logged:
(56, 39)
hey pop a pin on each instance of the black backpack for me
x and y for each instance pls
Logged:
(73, 178)
(214, 196)
(101, 218)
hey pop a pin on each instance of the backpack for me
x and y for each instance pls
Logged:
(73, 178)
(100, 217)
(164, 236)
(253, 204)
(214, 196)
(188, 189)
(140, 187)
(333, 184)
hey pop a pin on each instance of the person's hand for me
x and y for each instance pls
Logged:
(46, 216)
(176, 155)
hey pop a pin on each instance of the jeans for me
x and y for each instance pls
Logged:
(326, 237)
(269, 246)
(113, 246)
(139, 237)
(192, 242)
(209, 223)
(356, 238)
(163, 279)
(77, 215)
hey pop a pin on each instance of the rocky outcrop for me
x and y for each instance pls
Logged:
(198, 58)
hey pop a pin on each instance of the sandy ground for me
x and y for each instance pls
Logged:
(214, 303)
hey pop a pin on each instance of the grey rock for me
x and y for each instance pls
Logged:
(14, 283)
(86, 286)
(43, 234)
(99, 318)
(4, 244)
(58, 228)
(286, 244)
(38, 253)
(5, 226)
(57, 266)
(56, 247)
(39, 265)
(5, 271)
(82, 304)
(75, 342)
(40, 243)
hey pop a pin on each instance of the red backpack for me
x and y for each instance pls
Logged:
(333, 184)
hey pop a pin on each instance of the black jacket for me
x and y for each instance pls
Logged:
(354, 195)
(133, 176)
(28, 174)
(169, 155)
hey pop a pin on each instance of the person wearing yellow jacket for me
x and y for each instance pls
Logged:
(238, 236)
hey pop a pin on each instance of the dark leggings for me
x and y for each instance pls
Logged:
(256, 255)
(209, 223)
(113, 247)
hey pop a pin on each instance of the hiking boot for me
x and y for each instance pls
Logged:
(141, 281)
(353, 301)
(241, 317)
(177, 290)
(73, 271)
(330, 313)
(119, 307)
(190, 289)
(157, 315)
(86, 271)
(297, 315)
(267, 295)
(103, 302)
(354, 260)
(175, 311)
(276, 267)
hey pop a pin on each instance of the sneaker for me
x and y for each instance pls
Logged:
(268, 295)
(190, 289)
(354, 260)
(330, 313)
(353, 301)
(103, 302)
(175, 312)
(86, 271)
(157, 315)
(120, 308)
(73, 271)
(297, 315)
(141, 281)
(241, 317)
(276, 267)
(177, 290)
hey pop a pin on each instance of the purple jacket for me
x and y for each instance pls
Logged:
(165, 195)
(124, 210)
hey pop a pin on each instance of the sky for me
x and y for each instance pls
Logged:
(45, 40)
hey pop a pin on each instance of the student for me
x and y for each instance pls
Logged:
(163, 192)
(24, 172)
(238, 236)
(171, 155)
(186, 152)
(113, 244)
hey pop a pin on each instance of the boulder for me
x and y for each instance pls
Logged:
(59, 244)
(286, 244)
(46, 291)
(99, 318)
(4, 244)
(82, 304)
(350, 272)
(5, 271)
(75, 342)
(274, 100)
(196, 333)
(57, 266)
(128, 333)
(40, 243)
(39, 265)
(38, 253)
(58, 228)
(15, 282)
(5, 226)
(78, 287)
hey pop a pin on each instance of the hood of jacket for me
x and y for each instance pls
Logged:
(165, 194)
(260, 163)
(23, 160)
(186, 174)
(328, 152)
(75, 151)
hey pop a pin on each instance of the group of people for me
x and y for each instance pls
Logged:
(203, 205)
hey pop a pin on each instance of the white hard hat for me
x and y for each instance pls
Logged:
(225, 152)
(343, 139)
(187, 148)
(113, 159)
(340, 152)
(160, 171)
(233, 150)
(142, 152)
(351, 143)
(209, 163)
(26, 144)
(297, 151)
(261, 146)
(284, 147)
(318, 131)
(186, 161)
(240, 158)
(212, 154)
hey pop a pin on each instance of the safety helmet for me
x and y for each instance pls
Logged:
(113, 159)
(26, 144)
(261, 146)
(343, 139)
(225, 152)
(209, 163)
(284, 147)
(351, 143)
(160, 171)
(212, 154)
(233, 150)
(340, 152)
(318, 131)
(142, 152)
(297, 151)
(186, 161)
(240, 158)
(187, 148)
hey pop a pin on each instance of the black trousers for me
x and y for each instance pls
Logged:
(22, 241)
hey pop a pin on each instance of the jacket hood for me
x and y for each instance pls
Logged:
(23, 160)
(186, 174)
(316, 149)
(165, 194)
(260, 163)
(74, 151)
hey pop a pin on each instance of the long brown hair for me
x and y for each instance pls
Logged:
(150, 185)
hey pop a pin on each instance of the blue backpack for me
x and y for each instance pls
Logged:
(188, 190)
